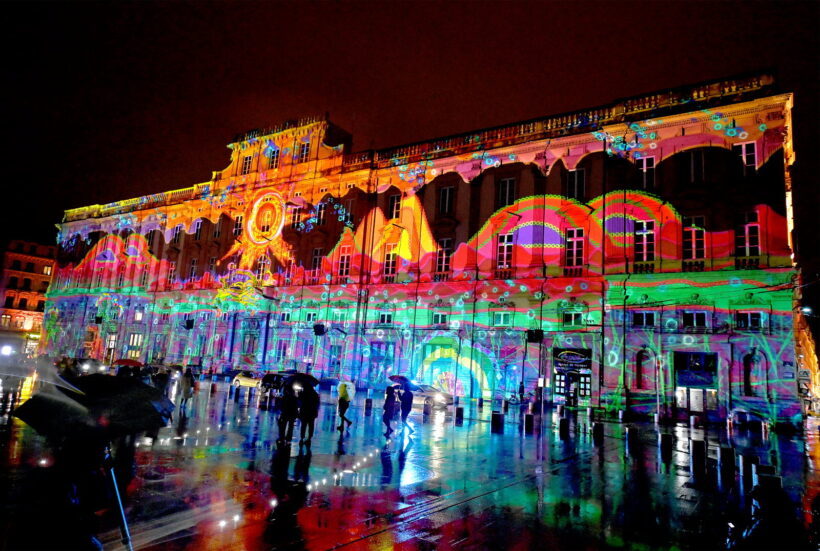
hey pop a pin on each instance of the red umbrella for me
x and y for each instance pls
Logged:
(128, 362)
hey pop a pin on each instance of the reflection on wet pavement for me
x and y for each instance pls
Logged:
(216, 479)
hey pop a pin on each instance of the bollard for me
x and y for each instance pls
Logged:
(497, 422)
(237, 394)
(632, 439)
(563, 428)
(231, 391)
(656, 418)
(591, 414)
(368, 406)
(621, 415)
(531, 408)
(726, 458)
(697, 455)
(505, 405)
(666, 441)
(481, 403)
(459, 415)
(529, 423)
(597, 433)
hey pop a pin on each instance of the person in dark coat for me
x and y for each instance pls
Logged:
(308, 411)
(406, 399)
(389, 408)
(288, 410)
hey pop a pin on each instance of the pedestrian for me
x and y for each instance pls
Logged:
(343, 403)
(521, 392)
(406, 399)
(389, 408)
(186, 389)
(308, 411)
(288, 410)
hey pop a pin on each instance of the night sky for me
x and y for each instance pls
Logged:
(107, 101)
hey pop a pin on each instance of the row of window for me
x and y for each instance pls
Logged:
(29, 267)
(19, 322)
(22, 303)
(25, 285)
(301, 154)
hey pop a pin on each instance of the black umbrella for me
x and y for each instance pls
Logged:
(405, 383)
(123, 405)
(302, 379)
(57, 416)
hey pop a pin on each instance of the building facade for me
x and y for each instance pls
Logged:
(636, 255)
(27, 271)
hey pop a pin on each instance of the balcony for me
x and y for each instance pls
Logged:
(441, 276)
(747, 262)
(503, 273)
(573, 271)
(693, 265)
(643, 267)
(389, 278)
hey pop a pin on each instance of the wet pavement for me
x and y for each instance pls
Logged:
(216, 479)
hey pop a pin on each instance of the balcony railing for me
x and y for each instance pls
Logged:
(643, 267)
(441, 276)
(693, 265)
(503, 273)
(573, 271)
(747, 262)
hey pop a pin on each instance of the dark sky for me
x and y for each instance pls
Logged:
(106, 101)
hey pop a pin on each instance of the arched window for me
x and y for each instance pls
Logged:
(640, 365)
(749, 361)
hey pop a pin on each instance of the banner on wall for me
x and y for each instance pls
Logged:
(571, 359)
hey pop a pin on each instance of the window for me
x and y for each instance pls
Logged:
(694, 245)
(643, 319)
(9, 302)
(304, 152)
(262, 265)
(284, 316)
(237, 225)
(385, 318)
(120, 280)
(273, 158)
(217, 229)
(198, 230)
(748, 157)
(443, 254)
(311, 317)
(348, 212)
(344, 261)
(22, 304)
(316, 259)
(267, 219)
(138, 314)
(294, 215)
(26, 284)
(749, 364)
(135, 340)
(249, 343)
(172, 273)
(694, 321)
(47, 270)
(192, 269)
(29, 266)
(584, 385)
(749, 321)
(695, 166)
(15, 265)
(646, 167)
(393, 206)
(212, 265)
(439, 318)
(506, 192)
(644, 241)
(177, 235)
(502, 319)
(321, 214)
(575, 247)
(573, 319)
(99, 279)
(246, 164)
(747, 236)
(144, 278)
(281, 350)
(41, 305)
(576, 182)
(390, 262)
(504, 251)
(445, 199)
(5, 320)
(560, 383)
(12, 282)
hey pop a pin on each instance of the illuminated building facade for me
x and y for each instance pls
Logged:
(27, 271)
(636, 255)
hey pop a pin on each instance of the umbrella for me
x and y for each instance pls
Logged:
(56, 415)
(123, 405)
(302, 379)
(405, 383)
(128, 362)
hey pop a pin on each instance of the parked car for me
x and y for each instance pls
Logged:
(247, 378)
(430, 395)
(87, 366)
(273, 381)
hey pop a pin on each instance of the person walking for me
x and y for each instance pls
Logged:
(308, 411)
(406, 399)
(389, 408)
(345, 397)
(186, 389)
(288, 411)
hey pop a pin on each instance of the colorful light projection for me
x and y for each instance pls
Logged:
(376, 300)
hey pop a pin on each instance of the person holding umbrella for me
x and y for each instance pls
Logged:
(406, 400)
(389, 408)
(343, 403)
(308, 411)
(288, 411)
(186, 389)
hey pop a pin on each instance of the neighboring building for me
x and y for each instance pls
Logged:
(27, 271)
(632, 255)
